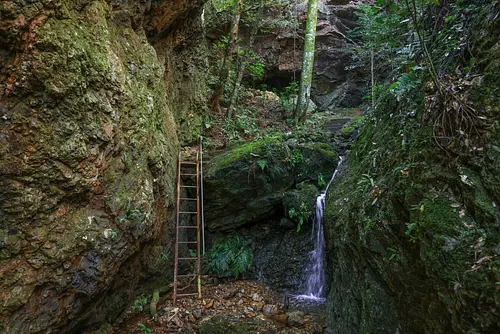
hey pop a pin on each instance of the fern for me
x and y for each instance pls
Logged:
(232, 256)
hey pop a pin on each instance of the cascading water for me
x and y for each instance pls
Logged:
(316, 281)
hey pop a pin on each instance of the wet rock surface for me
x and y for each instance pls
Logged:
(281, 256)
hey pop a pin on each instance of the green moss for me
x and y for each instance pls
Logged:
(437, 217)
(325, 149)
(255, 148)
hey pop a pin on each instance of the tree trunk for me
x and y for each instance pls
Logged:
(307, 62)
(226, 66)
(241, 71)
(372, 68)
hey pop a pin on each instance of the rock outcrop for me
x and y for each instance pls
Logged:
(88, 148)
(247, 184)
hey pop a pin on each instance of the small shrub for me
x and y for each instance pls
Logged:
(321, 181)
(301, 215)
(139, 303)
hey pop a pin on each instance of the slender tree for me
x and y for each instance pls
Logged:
(255, 25)
(308, 61)
(226, 65)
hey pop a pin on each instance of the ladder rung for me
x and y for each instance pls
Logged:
(188, 163)
(189, 186)
(188, 199)
(187, 258)
(191, 212)
(187, 242)
(186, 294)
(188, 275)
(187, 174)
(188, 226)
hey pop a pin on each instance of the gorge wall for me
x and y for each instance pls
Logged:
(88, 147)
(413, 229)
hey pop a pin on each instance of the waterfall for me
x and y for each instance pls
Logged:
(315, 288)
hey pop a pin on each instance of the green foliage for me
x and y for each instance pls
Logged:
(393, 254)
(365, 181)
(295, 157)
(232, 256)
(132, 214)
(164, 256)
(302, 214)
(321, 181)
(288, 96)
(139, 303)
(262, 164)
(352, 126)
(369, 224)
(407, 82)
(256, 65)
(412, 231)
(221, 5)
(144, 329)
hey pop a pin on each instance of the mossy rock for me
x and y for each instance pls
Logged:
(247, 184)
(317, 158)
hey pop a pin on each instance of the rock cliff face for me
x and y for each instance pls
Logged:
(88, 147)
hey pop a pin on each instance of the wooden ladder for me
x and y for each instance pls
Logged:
(187, 206)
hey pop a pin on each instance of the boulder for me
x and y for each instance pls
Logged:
(247, 184)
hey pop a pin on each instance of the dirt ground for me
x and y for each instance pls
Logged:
(233, 307)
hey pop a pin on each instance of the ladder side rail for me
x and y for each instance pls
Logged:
(201, 197)
(198, 261)
(176, 255)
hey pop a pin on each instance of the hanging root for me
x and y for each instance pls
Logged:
(457, 126)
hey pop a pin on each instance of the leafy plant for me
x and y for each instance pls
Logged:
(302, 215)
(262, 164)
(164, 256)
(295, 157)
(365, 181)
(132, 214)
(232, 256)
(394, 254)
(139, 303)
(369, 224)
(412, 231)
(256, 66)
(288, 96)
(143, 328)
(321, 181)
